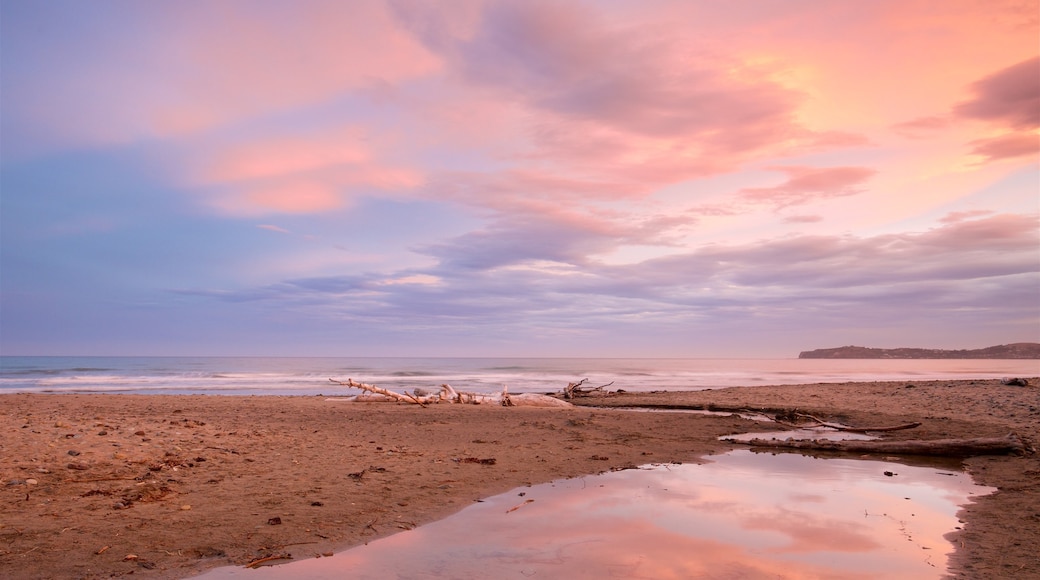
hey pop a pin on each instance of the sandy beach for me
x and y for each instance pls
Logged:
(168, 486)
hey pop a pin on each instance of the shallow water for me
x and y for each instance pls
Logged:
(743, 515)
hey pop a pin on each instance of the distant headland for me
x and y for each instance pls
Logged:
(1018, 350)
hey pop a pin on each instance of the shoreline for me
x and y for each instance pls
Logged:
(185, 483)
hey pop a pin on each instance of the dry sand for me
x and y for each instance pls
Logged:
(157, 486)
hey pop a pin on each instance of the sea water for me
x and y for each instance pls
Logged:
(310, 376)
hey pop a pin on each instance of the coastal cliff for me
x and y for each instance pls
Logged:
(1018, 350)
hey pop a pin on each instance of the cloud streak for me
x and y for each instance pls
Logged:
(805, 184)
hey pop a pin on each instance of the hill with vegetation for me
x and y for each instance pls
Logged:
(1018, 350)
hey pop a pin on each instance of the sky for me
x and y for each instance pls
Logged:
(517, 178)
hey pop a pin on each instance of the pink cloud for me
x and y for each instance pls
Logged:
(637, 164)
(307, 193)
(619, 100)
(205, 66)
(506, 188)
(959, 216)
(813, 534)
(803, 219)
(805, 184)
(1007, 146)
(531, 229)
(834, 140)
(298, 172)
(286, 156)
(1007, 232)
(284, 55)
(1009, 97)
(921, 127)
(293, 197)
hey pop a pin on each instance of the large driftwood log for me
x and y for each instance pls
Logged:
(449, 395)
(935, 447)
(536, 400)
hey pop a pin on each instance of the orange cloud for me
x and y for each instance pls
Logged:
(863, 65)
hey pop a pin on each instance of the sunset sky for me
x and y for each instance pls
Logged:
(468, 178)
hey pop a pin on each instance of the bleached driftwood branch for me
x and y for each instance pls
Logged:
(405, 398)
(935, 447)
(817, 422)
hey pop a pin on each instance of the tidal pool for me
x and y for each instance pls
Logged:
(745, 515)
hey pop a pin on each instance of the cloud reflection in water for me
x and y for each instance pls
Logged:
(745, 515)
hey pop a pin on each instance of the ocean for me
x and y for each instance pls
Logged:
(310, 376)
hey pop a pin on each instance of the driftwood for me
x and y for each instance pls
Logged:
(370, 398)
(447, 394)
(934, 447)
(574, 389)
(402, 398)
(817, 422)
(533, 400)
(267, 561)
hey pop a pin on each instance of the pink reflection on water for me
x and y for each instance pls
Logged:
(745, 515)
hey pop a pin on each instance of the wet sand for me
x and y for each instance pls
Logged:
(161, 486)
